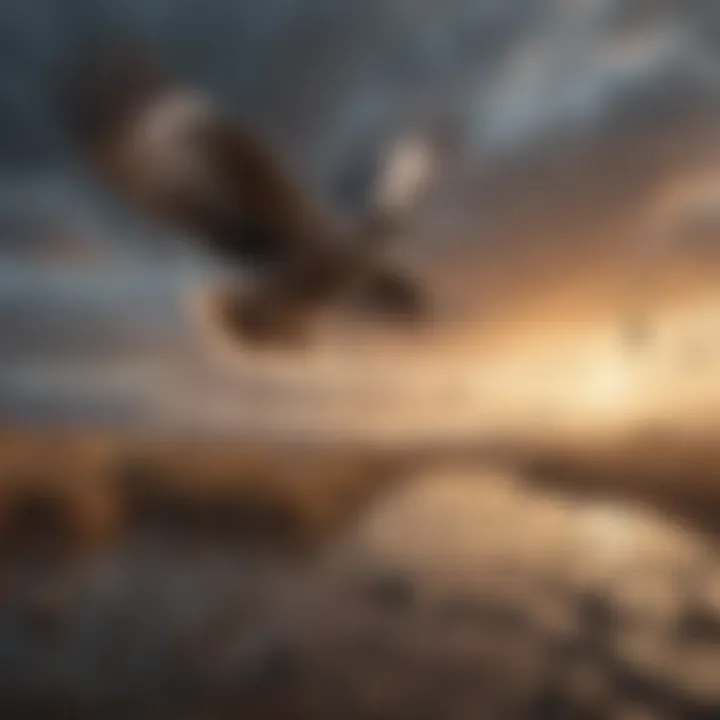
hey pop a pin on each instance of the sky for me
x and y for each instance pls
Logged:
(573, 133)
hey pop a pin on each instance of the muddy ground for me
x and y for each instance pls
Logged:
(209, 580)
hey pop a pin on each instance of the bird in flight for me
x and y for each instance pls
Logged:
(172, 155)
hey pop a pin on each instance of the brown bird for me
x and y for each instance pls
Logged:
(174, 156)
